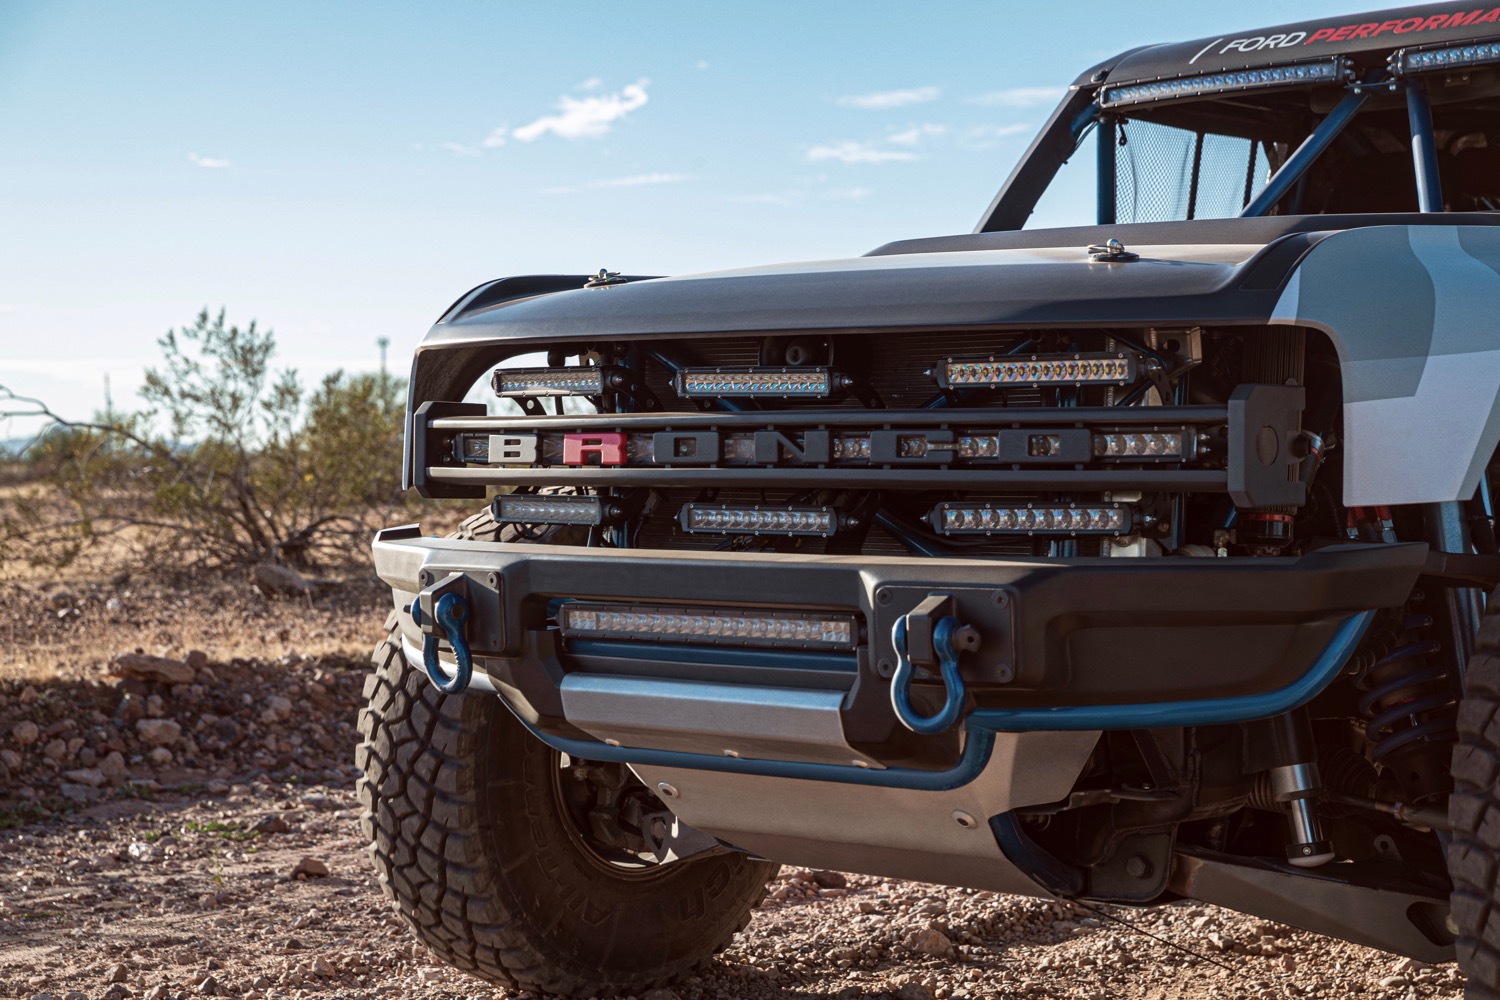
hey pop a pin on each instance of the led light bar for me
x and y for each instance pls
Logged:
(699, 383)
(1325, 71)
(851, 447)
(1141, 445)
(1031, 519)
(1038, 369)
(526, 508)
(723, 519)
(582, 381)
(1451, 57)
(748, 627)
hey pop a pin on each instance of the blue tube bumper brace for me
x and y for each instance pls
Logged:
(982, 726)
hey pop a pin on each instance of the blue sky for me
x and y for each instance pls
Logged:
(341, 172)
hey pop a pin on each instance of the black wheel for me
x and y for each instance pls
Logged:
(518, 864)
(1474, 810)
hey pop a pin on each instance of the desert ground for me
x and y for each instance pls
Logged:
(177, 819)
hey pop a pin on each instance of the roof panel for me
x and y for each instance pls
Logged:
(1368, 37)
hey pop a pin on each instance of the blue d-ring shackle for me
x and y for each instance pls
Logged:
(942, 644)
(450, 612)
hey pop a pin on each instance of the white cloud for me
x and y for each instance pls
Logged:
(496, 138)
(585, 117)
(459, 149)
(851, 194)
(701, 64)
(1019, 97)
(781, 200)
(988, 136)
(857, 152)
(208, 162)
(592, 83)
(637, 180)
(887, 99)
(915, 134)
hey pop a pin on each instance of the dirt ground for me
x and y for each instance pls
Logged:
(199, 837)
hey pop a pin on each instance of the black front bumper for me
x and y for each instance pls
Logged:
(1064, 644)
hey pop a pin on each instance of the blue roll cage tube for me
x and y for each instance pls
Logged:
(982, 725)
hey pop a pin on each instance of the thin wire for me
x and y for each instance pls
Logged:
(1155, 937)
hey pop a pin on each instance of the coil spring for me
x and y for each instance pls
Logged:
(1406, 706)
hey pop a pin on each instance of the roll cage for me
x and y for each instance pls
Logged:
(1297, 115)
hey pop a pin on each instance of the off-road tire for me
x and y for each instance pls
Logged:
(459, 807)
(1474, 810)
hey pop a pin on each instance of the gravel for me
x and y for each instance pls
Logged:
(173, 840)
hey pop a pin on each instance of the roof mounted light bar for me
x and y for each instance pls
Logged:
(1334, 70)
(1405, 61)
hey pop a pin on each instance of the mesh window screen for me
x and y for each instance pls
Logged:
(1165, 174)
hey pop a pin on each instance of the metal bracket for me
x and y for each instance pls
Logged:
(671, 839)
(929, 635)
(442, 611)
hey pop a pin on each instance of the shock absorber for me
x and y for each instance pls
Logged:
(1410, 709)
(1295, 783)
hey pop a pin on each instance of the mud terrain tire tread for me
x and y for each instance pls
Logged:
(1474, 810)
(449, 796)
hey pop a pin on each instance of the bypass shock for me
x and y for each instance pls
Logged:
(1295, 783)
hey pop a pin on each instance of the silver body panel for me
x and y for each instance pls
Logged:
(718, 719)
(1414, 313)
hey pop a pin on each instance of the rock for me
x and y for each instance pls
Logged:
(310, 868)
(114, 605)
(865, 906)
(10, 759)
(55, 750)
(660, 993)
(25, 732)
(91, 776)
(144, 667)
(75, 995)
(321, 966)
(913, 991)
(155, 706)
(78, 793)
(260, 982)
(429, 974)
(829, 880)
(271, 824)
(1394, 982)
(62, 600)
(1219, 941)
(29, 695)
(131, 707)
(159, 757)
(280, 581)
(929, 941)
(209, 987)
(119, 991)
(158, 732)
(117, 974)
(113, 766)
(158, 993)
(277, 709)
(142, 851)
(198, 659)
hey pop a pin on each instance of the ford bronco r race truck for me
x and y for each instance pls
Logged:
(1133, 562)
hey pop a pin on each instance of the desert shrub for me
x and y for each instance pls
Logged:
(233, 462)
